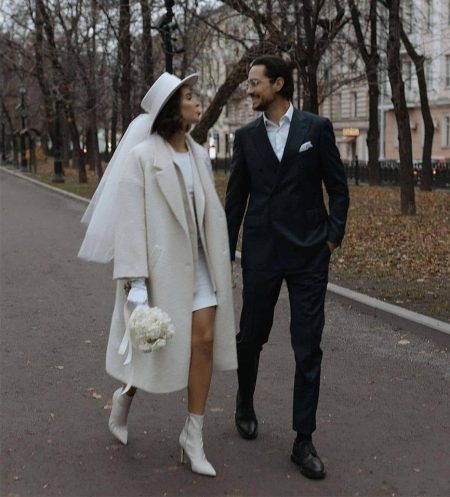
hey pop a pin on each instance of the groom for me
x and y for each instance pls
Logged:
(280, 161)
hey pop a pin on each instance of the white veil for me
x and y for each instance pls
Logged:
(100, 216)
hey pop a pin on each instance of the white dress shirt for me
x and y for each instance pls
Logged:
(278, 132)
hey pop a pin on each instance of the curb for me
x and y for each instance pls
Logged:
(41, 184)
(433, 329)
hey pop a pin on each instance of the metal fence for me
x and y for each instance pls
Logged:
(358, 172)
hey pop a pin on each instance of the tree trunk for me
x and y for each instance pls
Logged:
(125, 62)
(65, 145)
(115, 108)
(310, 89)
(371, 62)
(89, 149)
(106, 151)
(419, 62)
(407, 196)
(41, 76)
(374, 130)
(147, 41)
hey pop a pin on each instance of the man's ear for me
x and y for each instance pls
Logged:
(279, 83)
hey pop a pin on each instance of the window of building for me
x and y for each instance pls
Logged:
(341, 61)
(339, 105)
(354, 98)
(407, 74)
(447, 70)
(429, 14)
(445, 132)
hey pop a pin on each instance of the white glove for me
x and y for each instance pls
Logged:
(138, 293)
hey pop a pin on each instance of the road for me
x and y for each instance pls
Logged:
(383, 419)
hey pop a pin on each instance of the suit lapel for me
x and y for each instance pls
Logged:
(168, 182)
(298, 130)
(262, 144)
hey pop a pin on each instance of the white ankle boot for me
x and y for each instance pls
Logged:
(191, 443)
(119, 414)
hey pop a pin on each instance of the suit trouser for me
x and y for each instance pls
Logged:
(306, 286)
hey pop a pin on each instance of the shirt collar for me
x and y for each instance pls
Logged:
(287, 116)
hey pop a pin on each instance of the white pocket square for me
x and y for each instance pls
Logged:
(306, 146)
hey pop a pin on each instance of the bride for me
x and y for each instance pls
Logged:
(157, 215)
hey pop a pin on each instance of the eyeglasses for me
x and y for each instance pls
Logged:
(253, 83)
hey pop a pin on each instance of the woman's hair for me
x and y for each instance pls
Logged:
(276, 67)
(169, 119)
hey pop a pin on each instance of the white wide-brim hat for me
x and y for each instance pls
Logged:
(161, 91)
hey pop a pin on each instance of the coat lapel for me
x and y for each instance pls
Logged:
(199, 194)
(168, 182)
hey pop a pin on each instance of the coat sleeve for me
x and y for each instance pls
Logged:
(237, 194)
(130, 240)
(335, 181)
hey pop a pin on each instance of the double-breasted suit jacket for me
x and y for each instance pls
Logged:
(156, 239)
(285, 215)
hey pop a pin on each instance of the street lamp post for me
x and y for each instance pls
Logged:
(167, 36)
(167, 25)
(23, 115)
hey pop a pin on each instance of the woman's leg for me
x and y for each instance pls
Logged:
(200, 369)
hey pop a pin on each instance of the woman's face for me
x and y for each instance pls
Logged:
(189, 106)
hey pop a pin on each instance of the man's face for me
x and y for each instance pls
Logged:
(261, 89)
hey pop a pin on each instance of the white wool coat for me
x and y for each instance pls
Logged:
(155, 238)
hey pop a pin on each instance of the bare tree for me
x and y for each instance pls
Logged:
(304, 30)
(407, 196)
(63, 87)
(371, 60)
(419, 63)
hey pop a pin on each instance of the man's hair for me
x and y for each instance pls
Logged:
(276, 67)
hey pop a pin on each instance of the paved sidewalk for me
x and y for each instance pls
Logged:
(383, 414)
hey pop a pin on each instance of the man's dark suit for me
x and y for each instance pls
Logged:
(285, 233)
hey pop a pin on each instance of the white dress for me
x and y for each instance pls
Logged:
(204, 295)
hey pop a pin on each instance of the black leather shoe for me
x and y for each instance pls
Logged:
(305, 456)
(245, 419)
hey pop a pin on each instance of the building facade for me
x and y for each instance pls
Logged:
(427, 23)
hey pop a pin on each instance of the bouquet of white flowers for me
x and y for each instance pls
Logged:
(149, 328)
